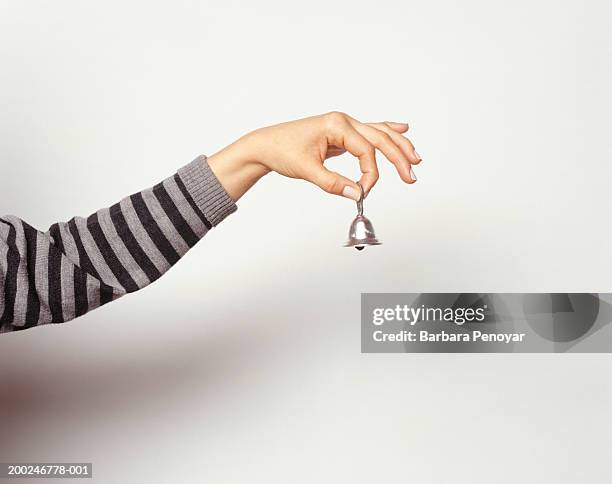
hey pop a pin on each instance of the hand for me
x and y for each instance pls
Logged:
(298, 149)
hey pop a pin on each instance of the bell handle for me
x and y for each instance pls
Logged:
(360, 201)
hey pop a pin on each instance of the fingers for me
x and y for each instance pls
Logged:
(334, 183)
(334, 151)
(341, 133)
(385, 143)
(362, 140)
(398, 127)
(404, 143)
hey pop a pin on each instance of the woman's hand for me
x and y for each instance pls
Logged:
(298, 149)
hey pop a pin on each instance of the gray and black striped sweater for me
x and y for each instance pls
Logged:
(79, 265)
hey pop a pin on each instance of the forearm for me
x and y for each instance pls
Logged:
(79, 265)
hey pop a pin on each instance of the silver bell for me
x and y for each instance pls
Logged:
(361, 232)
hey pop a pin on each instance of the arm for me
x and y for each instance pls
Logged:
(81, 264)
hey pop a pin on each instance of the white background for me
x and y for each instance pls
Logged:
(243, 363)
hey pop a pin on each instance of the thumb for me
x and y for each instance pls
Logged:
(336, 184)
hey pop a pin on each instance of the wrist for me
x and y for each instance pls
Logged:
(237, 166)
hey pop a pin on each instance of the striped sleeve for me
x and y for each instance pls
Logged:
(79, 265)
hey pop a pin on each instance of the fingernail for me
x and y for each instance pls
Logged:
(350, 192)
(412, 175)
(417, 155)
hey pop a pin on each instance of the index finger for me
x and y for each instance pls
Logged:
(341, 133)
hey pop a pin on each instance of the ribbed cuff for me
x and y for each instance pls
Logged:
(206, 190)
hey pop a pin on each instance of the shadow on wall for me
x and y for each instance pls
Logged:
(79, 388)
